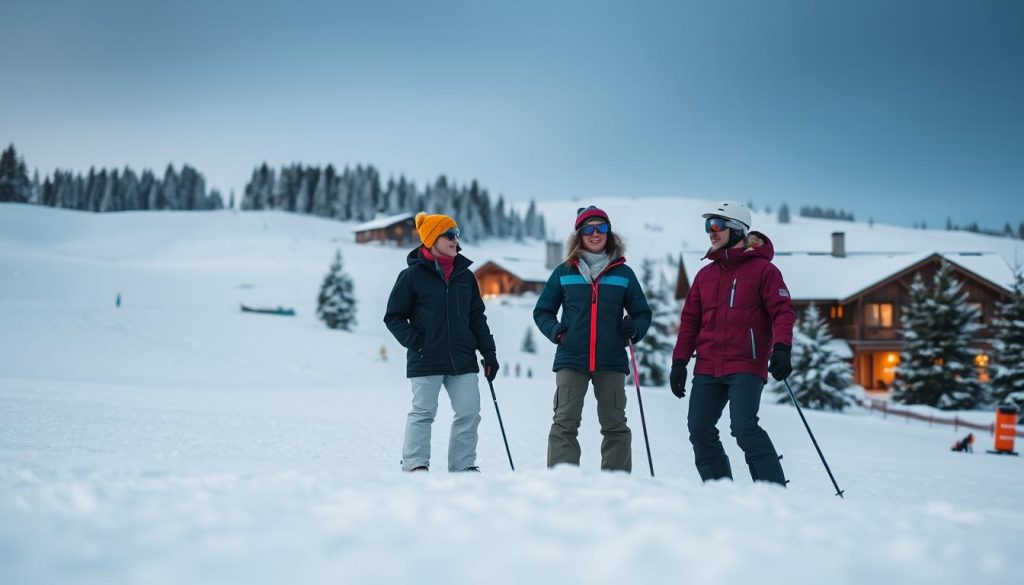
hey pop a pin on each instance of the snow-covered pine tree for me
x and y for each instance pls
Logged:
(784, 214)
(321, 205)
(130, 188)
(35, 193)
(303, 192)
(937, 363)
(821, 379)
(654, 352)
(108, 198)
(529, 345)
(1008, 327)
(14, 181)
(336, 305)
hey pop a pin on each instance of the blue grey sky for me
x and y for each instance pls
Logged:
(901, 111)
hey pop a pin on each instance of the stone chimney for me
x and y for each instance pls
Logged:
(839, 244)
(554, 256)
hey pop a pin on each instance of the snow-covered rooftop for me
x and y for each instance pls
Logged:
(382, 222)
(819, 275)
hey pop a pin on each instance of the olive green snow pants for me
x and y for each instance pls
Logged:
(610, 391)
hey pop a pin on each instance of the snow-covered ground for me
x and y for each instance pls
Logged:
(176, 439)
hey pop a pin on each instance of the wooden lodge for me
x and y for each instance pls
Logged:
(515, 276)
(510, 276)
(398, 229)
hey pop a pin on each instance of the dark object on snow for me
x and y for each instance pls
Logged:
(839, 492)
(490, 383)
(286, 312)
(1005, 429)
(964, 445)
(640, 403)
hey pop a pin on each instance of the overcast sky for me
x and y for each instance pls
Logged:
(904, 111)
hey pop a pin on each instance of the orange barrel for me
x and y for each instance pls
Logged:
(1006, 427)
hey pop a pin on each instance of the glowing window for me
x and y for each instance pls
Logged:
(878, 314)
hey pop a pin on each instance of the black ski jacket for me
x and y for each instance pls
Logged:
(441, 324)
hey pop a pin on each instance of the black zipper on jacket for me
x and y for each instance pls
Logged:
(448, 326)
(732, 293)
(753, 344)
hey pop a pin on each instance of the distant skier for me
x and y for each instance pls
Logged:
(737, 308)
(593, 288)
(435, 311)
(383, 354)
(964, 445)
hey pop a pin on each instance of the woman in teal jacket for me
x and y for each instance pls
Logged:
(593, 287)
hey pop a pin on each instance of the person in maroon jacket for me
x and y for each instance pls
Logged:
(738, 317)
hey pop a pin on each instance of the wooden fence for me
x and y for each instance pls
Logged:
(956, 422)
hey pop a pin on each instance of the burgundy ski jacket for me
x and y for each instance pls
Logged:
(737, 309)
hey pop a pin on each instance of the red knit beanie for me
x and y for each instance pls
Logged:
(585, 213)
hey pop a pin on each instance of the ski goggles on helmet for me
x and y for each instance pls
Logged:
(716, 224)
(590, 228)
(452, 234)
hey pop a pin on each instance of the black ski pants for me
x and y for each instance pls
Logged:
(708, 397)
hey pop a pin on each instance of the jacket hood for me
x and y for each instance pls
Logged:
(758, 246)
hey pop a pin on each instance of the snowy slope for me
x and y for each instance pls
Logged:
(176, 439)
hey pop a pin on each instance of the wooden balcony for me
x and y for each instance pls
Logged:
(864, 332)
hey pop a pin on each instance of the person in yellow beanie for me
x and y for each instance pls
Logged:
(429, 227)
(435, 311)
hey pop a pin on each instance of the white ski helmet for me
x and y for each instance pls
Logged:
(731, 210)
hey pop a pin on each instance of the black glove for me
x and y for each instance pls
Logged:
(677, 378)
(781, 364)
(490, 362)
(627, 328)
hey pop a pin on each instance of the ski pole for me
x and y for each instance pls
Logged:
(839, 492)
(640, 402)
(496, 410)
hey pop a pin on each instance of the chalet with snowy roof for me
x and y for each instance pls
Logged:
(514, 276)
(861, 296)
(400, 229)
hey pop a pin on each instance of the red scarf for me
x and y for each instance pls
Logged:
(447, 263)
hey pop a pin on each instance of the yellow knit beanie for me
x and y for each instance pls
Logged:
(429, 227)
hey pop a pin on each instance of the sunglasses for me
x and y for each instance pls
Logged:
(452, 234)
(589, 229)
(715, 224)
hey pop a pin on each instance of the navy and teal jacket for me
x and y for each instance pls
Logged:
(591, 316)
(441, 324)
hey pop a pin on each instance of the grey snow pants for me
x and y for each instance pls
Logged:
(464, 394)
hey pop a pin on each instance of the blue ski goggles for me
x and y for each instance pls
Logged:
(589, 229)
(452, 234)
